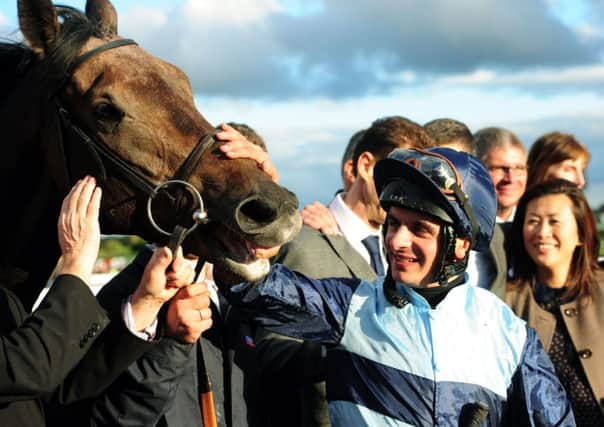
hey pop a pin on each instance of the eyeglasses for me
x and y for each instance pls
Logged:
(501, 170)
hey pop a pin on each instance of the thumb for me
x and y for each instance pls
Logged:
(161, 259)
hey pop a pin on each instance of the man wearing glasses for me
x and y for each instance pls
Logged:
(419, 346)
(505, 158)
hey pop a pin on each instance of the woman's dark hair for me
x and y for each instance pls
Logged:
(552, 148)
(584, 263)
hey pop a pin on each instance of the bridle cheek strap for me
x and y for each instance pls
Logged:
(102, 154)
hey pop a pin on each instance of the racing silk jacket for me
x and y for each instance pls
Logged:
(389, 366)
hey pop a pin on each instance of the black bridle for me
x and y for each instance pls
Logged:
(102, 154)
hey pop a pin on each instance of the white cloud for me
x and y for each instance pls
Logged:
(588, 32)
(229, 12)
(583, 75)
(139, 21)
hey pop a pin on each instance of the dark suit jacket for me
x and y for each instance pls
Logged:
(293, 370)
(40, 352)
(160, 388)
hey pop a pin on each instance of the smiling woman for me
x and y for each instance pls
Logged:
(559, 289)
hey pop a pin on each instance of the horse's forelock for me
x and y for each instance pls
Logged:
(75, 30)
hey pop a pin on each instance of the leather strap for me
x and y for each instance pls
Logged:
(109, 45)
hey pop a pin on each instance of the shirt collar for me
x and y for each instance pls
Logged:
(352, 227)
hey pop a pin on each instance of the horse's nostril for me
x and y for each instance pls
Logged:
(255, 213)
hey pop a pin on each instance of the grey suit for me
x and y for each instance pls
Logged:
(318, 255)
(292, 369)
(499, 260)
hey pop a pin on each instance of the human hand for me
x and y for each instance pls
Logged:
(159, 284)
(238, 147)
(189, 313)
(79, 229)
(319, 217)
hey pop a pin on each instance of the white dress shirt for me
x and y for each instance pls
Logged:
(354, 229)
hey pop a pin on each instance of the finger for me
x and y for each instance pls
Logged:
(242, 148)
(95, 204)
(204, 313)
(73, 215)
(67, 199)
(161, 258)
(193, 290)
(72, 199)
(85, 195)
(182, 271)
(177, 262)
(183, 278)
(226, 132)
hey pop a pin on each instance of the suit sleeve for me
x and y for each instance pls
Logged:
(537, 397)
(40, 352)
(146, 387)
(291, 304)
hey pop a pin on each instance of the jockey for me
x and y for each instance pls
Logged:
(419, 346)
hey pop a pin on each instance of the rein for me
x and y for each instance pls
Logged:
(102, 154)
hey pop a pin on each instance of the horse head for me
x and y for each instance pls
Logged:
(117, 100)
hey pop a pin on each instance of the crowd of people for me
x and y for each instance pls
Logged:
(454, 280)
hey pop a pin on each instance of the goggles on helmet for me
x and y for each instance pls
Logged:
(444, 176)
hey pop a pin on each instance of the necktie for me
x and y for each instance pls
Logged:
(372, 243)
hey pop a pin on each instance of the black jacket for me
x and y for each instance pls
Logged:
(160, 389)
(64, 351)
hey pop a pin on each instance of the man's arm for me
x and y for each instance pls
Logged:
(40, 352)
(37, 352)
(289, 303)
(537, 397)
(146, 386)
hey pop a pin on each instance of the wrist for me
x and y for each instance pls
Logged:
(76, 269)
(145, 309)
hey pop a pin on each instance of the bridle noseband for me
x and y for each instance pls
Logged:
(102, 154)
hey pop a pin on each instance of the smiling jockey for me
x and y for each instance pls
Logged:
(419, 346)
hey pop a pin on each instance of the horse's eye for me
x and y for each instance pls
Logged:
(107, 112)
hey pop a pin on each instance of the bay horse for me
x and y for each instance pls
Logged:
(78, 99)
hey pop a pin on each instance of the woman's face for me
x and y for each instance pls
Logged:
(550, 234)
(572, 170)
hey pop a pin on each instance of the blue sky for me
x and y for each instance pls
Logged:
(307, 74)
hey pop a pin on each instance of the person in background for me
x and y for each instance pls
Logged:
(558, 288)
(451, 133)
(418, 346)
(505, 158)
(486, 269)
(316, 215)
(346, 164)
(557, 155)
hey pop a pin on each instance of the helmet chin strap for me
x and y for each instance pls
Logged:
(449, 275)
(451, 272)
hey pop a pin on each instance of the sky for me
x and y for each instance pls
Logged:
(307, 74)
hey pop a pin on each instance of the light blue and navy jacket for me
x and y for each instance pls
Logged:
(390, 366)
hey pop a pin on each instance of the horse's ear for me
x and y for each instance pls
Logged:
(39, 24)
(103, 15)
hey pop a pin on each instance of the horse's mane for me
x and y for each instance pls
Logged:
(17, 59)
